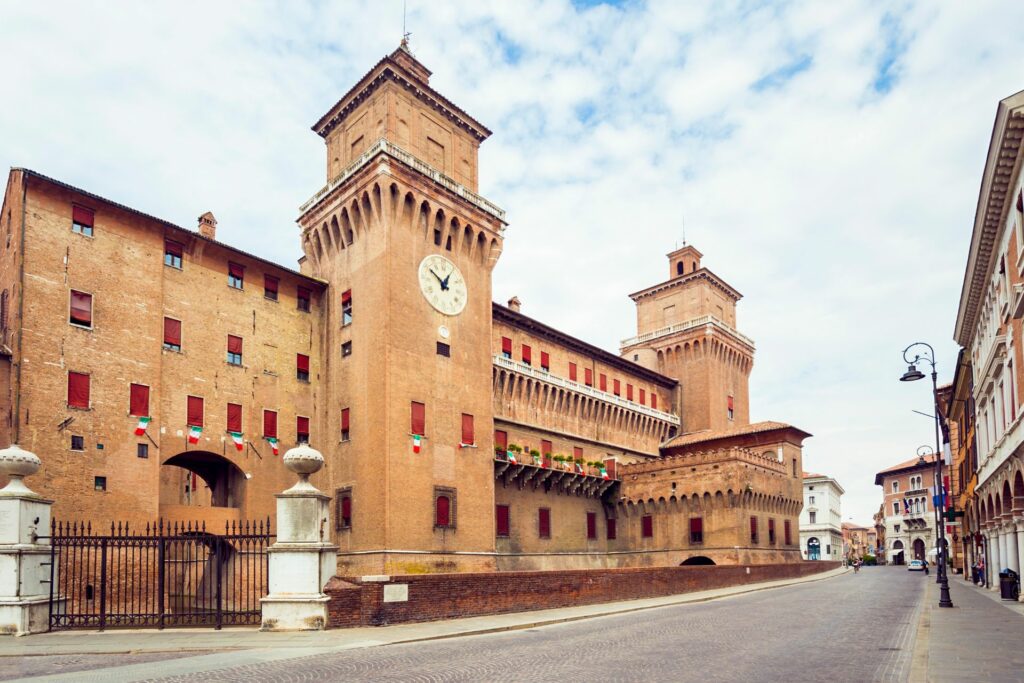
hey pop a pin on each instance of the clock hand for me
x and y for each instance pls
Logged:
(444, 282)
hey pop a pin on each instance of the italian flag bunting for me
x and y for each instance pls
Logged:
(140, 429)
(194, 433)
(416, 440)
(604, 473)
(463, 444)
(579, 468)
(511, 457)
(239, 441)
(273, 444)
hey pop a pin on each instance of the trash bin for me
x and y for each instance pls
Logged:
(1009, 584)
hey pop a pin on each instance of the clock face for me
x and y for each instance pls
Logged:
(442, 284)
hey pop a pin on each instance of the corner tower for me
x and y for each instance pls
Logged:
(407, 247)
(686, 329)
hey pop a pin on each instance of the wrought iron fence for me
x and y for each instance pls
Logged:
(167, 574)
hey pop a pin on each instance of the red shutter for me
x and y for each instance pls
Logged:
(696, 525)
(730, 403)
(346, 511)
(174, 248)
(527, 354)
(467, 429)
(82, 215)
(771, 531)
(753, 528)
(609, 467)
(443, 506)
(501, 439)
(345, 419)
(609, 525)
(234, 344)
(302, 362)
(302, 426)
(502, 519)
(138, 400)
(303, 294)
(785, 531)
(78, 390)
(346, 296)
(172, 332)
(545, 447)
(588, 377)
(643, 397)
(604, 383)
(419, 418)
(629, 392)
(234, 417)
(654, 400)
(577, 452)
(544, 523)
(270, 423)
(647, 526)
(591, 525)
(194, 412)
(236, 270)
(545, 360)
(506, 345)
(270, 283)
(616, 387)
(81, 308)
(572, 372)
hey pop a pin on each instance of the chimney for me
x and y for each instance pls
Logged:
(208, 226)
(514, 303)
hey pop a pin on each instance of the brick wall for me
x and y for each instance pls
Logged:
(447, 596)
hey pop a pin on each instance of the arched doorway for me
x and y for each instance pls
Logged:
(918, 549)
(897, 552)
(698, 560)
(813, 548)
(201, 486)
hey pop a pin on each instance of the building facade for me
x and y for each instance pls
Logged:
(161, 372)
(821, 534)
(909, 514)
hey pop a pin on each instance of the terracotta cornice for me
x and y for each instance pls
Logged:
(701, 274)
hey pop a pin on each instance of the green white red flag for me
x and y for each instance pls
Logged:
(273, 444)
(239, 441)
(604, 473)
(511, 457)
(194, 433)
(140, 429)
(416, 441)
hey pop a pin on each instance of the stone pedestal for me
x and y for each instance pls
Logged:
(24, 556)
(302, 560)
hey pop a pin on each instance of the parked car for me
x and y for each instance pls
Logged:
(915, 566)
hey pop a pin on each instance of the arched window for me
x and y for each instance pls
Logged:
(444, 508)
(895, 486)
(693, 267)
(679, 268)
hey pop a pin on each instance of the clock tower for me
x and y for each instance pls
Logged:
(406, 246)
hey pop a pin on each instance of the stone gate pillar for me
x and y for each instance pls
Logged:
(302, 559)
(24, 548)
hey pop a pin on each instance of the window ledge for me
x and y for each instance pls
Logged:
(88, 328)
(270, 299)
(177, 268)
(179, 351)
(81, 234)
(236, 365)
(89, 409)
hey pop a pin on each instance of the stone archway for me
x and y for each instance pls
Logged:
(919, 549)
(697, 560)
(813, 548)
(201, 486)
(897, 552)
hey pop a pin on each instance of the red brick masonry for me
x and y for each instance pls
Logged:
(444, 596)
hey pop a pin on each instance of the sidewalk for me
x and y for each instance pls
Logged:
(978, 639)
(239, 646)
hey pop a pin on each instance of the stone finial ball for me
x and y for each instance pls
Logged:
(15, 462)
(303, 460)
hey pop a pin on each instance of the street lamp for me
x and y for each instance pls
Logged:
(912, 375)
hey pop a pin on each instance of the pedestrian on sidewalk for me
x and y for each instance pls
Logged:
(925, 567)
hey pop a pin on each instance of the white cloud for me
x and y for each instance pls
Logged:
(842, 212)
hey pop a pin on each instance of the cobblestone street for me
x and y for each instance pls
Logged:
(786, 634)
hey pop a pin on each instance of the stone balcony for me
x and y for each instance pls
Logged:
(710, 322)
(552, 479)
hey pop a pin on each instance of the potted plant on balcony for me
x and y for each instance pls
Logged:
(535, 454)
(579, 466)
(559, 461)
(512, 454)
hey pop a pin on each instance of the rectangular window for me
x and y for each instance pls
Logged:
(418, 414)
(302, 297)
(730, 408)
(629, 392)
(345, 424)
(81, 309)
(696, 530)
(647, 526)
(603, 385)
(506, 347)
(501, 440)
(467, 430)
(100, 483)
(527, 355)
(771, 532)
(302, 367)
(895, 508)
(236, 275)
(654, 400)
(616, 387)
(172, 334)
(501, 521)
(138, 400)
(234, 350)
(343, 509)
(444, 350)
(301, 429)
(78, 390)
(786, 534)
(173, 253)
(235, 417)
(643, 398)
(588, 377)
(591, 526)
(545, 447)
(444, 508)
(82, 220)
(545, 361)
(346, 307)
(577, 453)
(753, 529)
(572, 372)
(270, 424)
(544, 522)
(810, 500)
(142, 450)
(812, 517)
(609, 527)
(346, 349)
(194, 411)
(270, 287)
(77, 442)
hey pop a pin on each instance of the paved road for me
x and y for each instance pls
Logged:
(854, 627)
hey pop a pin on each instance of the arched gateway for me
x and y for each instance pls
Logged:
(201, 486)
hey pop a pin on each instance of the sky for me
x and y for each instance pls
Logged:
(824, 156)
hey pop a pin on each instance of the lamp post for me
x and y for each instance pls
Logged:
(922, 453)
(912, 375)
